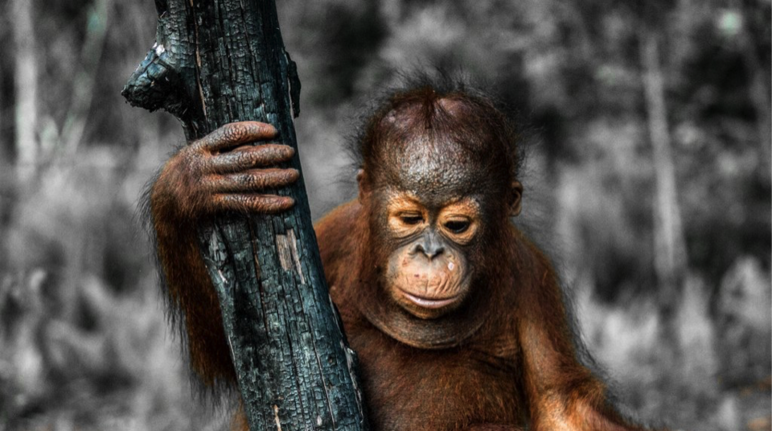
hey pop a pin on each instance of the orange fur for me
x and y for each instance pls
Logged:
(202, 180)
(504, 360)
(189, 288)
(520, 367)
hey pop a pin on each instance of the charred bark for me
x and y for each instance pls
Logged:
(219, 61)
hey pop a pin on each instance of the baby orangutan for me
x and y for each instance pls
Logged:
(457, 318)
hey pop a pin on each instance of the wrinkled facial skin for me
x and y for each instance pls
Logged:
(433, 218)
(432, 204)
(428, 273)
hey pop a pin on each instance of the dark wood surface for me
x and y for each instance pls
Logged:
(219, 61)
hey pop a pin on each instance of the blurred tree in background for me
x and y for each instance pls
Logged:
(648, 128)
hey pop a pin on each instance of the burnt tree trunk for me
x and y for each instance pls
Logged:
(219, 61)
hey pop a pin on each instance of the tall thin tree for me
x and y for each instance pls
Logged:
(669, 244)
(26, 88)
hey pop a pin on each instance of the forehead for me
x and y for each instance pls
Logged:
(434, 174)
(438, 152)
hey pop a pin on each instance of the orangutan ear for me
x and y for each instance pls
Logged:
(364, 185)
(516, 194)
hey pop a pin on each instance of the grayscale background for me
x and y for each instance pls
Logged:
(665, 252)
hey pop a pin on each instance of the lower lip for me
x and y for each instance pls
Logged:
(430, 303)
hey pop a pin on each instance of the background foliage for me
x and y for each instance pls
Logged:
(83, 341)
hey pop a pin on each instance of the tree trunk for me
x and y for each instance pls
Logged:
(26, 89)
(669, 247)
(5, 144)
(760, 93)
(84, 81)
(216, 62)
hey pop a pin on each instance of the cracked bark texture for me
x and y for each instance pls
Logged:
(219, 61)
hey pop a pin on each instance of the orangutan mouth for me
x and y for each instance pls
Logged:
(430, 302)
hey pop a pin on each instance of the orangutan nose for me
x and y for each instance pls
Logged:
(430, 245)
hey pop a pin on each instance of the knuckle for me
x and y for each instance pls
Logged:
(242, 202)
(262, 153)
(238, 159)
(260, 204)
(222, 202)
(191, 150)
(196, 146)
(233, 131)
(258, 180)
(217, 136)
(197, 166)
(211, 184)
(232, 162)
(253, 181)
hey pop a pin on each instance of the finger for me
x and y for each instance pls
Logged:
(250, 181)
(233, 134)
(251, 157)
(254, 203)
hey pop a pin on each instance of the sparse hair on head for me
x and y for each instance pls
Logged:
(421, 103)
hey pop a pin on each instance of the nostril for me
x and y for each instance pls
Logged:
(417, 248)
(434, 251)
(430, 249)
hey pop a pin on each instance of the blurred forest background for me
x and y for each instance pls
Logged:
(648, 178)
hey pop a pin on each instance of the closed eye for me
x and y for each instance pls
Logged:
(457, 226)
(411, 219)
